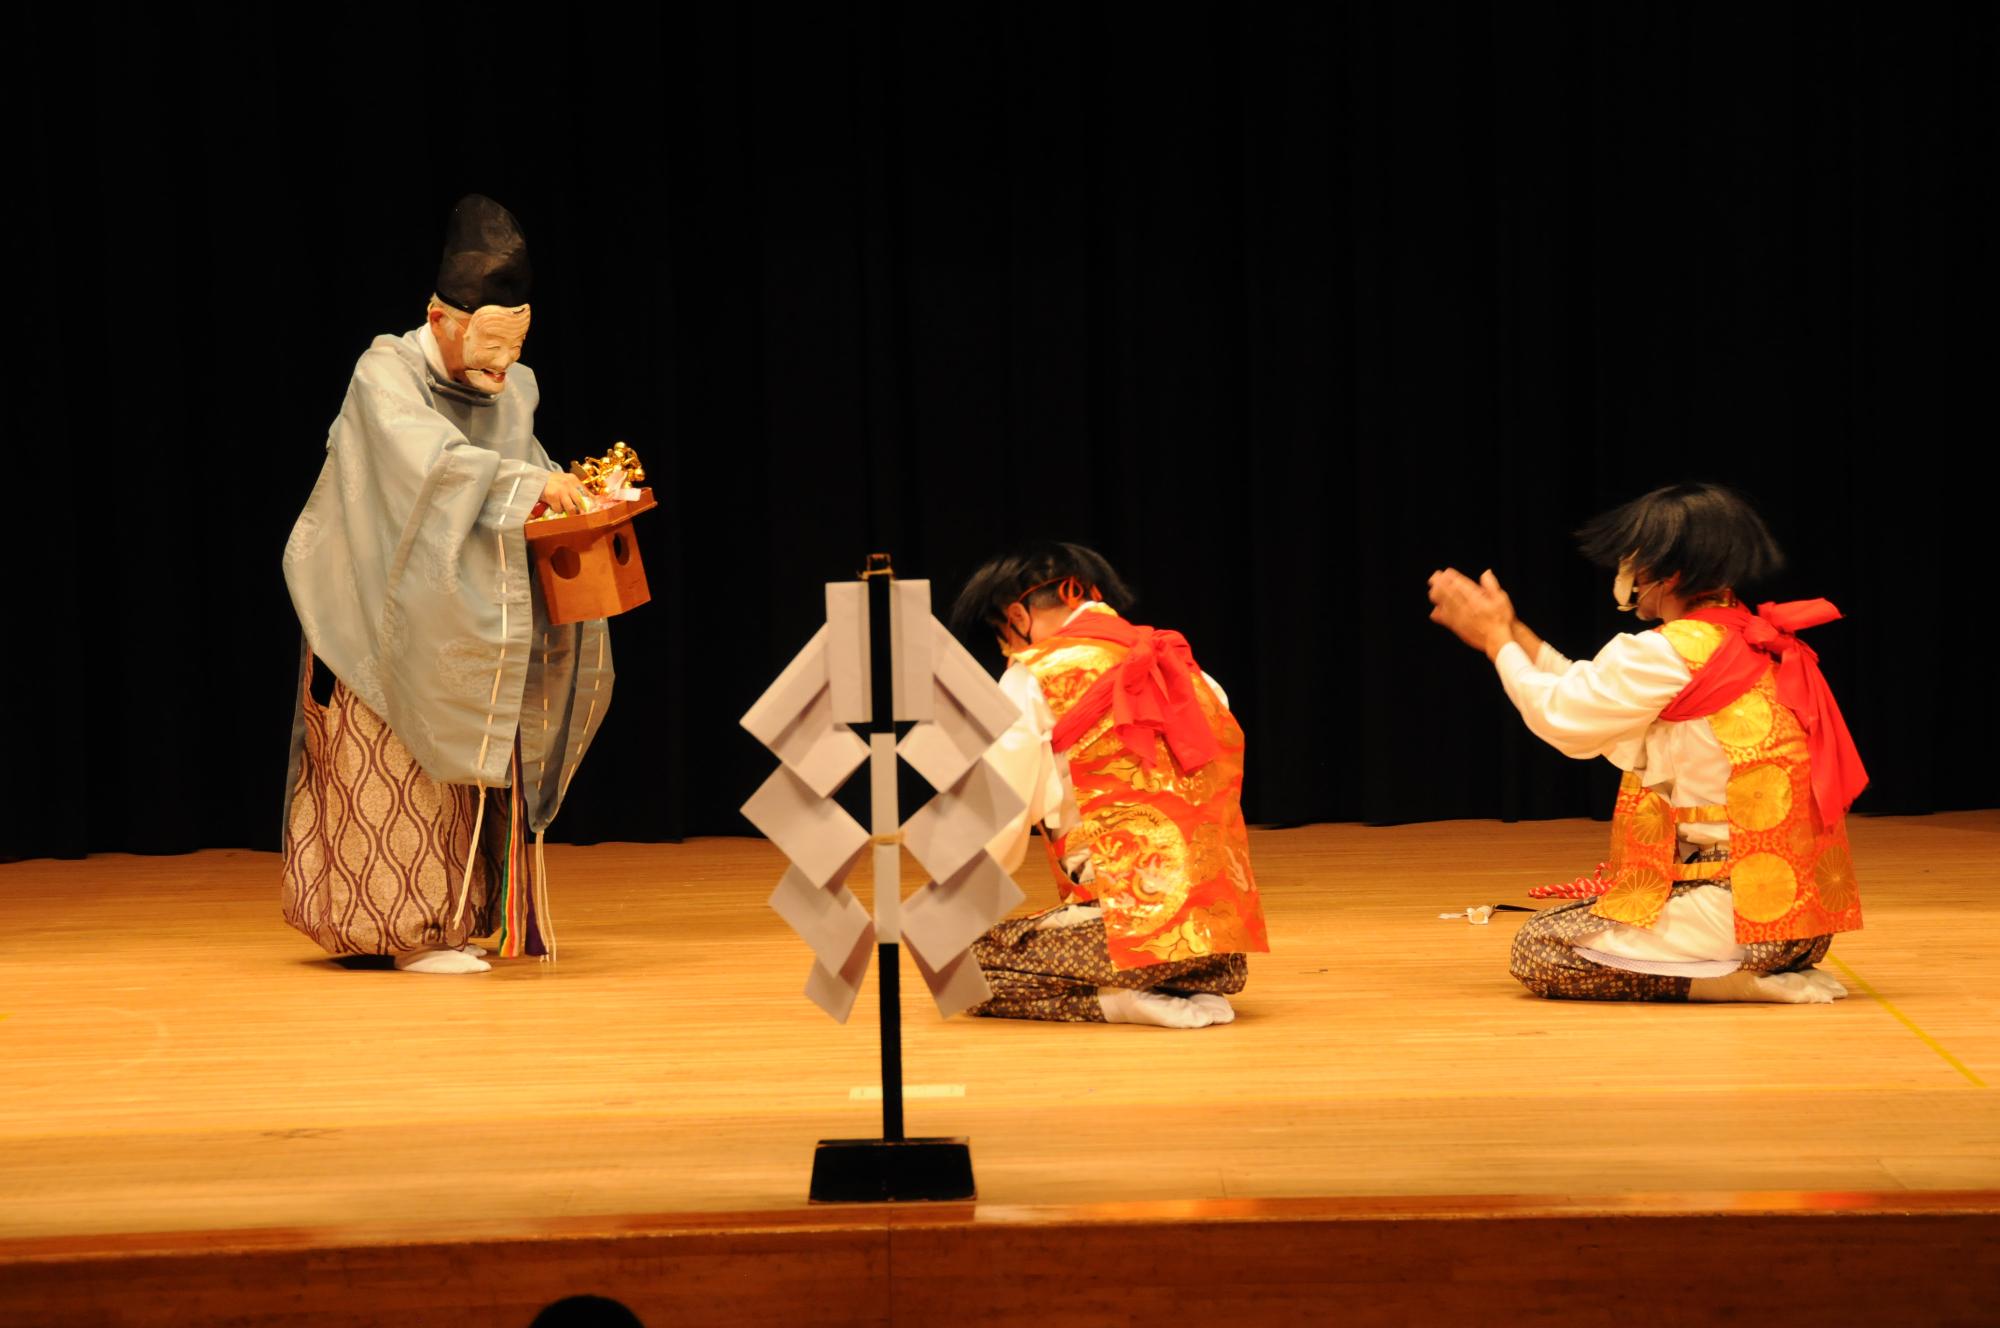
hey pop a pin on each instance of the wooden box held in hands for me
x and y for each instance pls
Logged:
(588, 565)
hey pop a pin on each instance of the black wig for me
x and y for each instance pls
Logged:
(1705, 532)
(1038, 572)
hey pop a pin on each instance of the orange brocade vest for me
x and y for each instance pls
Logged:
(1168, 850)
(1791, 874)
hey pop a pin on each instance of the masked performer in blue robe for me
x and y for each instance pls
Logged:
(419, 792)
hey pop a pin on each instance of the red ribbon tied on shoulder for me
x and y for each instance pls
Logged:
(1149, 694)
(1754, 642)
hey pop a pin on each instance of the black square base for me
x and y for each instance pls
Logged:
(891, 1170)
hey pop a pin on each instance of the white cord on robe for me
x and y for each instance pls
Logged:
(547, 926)
(471, 856)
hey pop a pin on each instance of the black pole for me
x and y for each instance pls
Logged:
(889, 977)
(888, 972)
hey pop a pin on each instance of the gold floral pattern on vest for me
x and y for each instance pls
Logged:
(1791, 876)
(1169, 852)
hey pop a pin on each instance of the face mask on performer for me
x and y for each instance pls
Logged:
(1621, 588)
(480, 313)
(1630, 593)
(478, 348)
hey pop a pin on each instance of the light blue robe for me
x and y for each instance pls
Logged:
(409, 573)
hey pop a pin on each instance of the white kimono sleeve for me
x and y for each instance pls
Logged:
(1599, 707)
(1025, 757)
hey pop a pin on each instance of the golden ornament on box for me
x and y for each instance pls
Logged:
(587, 563)
(597, 472)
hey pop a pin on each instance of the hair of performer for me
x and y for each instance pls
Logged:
(1678, 547)
(1028, 594)
(1682, 542)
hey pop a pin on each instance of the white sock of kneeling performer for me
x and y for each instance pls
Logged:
(1219, 1009)
(1122, 1005)
(440, 961)
(1771, 988)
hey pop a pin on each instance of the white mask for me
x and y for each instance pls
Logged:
(1621, 589)
(488, 342)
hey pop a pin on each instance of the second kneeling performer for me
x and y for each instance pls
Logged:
(1128, 757)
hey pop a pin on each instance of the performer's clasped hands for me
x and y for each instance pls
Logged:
(1480, 613)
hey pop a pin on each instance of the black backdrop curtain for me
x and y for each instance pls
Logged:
(1281, 307)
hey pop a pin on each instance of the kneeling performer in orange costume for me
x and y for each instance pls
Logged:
(1127, 756)
(1729, 871)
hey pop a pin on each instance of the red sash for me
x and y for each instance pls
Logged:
(1149, 694)
(1753, 642)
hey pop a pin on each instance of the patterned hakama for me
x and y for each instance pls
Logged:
(1054, 973)
(377, 849)
(1546, 961)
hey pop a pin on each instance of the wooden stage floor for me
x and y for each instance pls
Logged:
(183, 1069)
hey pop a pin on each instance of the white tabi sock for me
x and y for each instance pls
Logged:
(1775, 988)
(1121, 1005)
(440, 961)
(1218, 1007)
(476, 951)
(1825, 981)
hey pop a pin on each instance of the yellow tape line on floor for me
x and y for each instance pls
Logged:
(1908, 1023)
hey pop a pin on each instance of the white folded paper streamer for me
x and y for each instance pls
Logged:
(959, 713)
